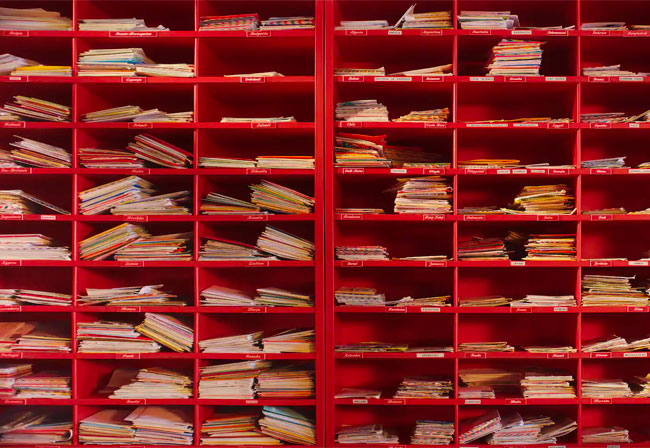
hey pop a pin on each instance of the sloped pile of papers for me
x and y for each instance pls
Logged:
(546, 383)
(38, 154)
(424, 387)
(113, 337)
(290, 341)
(614, 117)
(609, 70)
(162, 204)
(159, 152)
(11, 65)
(288, 23)
(288, 425)
(544, 199)
(33, 19)
(148, 382)
(221, 296)
(359, 296)
(361, 253)
(640, 386)
(34, 109)
(148, 295)
(131, 24)
(35, 337)
(242, 343)
(543, 300)
(437, 20)
(17, 202)
(500, 346)
(231, 381)
(357, 150)
(482, 249)
(611, 434)
(558, 247)
(613, 162)
(614, 388)
(218, 249)
(168, 331)
(172, 247)
(611, 343)
(108, 159)
(286, 162)
(277, 198)
(531, 430)
(281, 297)
(220, 204)
(513, 57)
(27, 246)
(158, 425)
(431, 432)
(603, 26)
(433, 115)
(421, 195)
(611, 290)
(285, 245)
(234, 429)
(127, 62)
(10, 297)
(240, 22)
(24, 426)
(103, 245)
(103, 198)
(373, 434)
(9, 373)
(108, 426)
(226, 162)
(361, 110)
(484, 301)
(137, 115)
(487, 20)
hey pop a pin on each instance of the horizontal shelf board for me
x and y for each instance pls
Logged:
(389, 263)
(133, 402)
(42, 263)
(454, 402)
(135, 309)
(37, 355)
(258, 402)
(134, 218)
(519, 79)
(253, 172)
(135, 264)
(395, 79)
(393, 125)
(254, 217)
(254, 356)
(256, 264)
(256, 310)
(160, 355)
(390, 217)
(441, 264)
(401, 355)
(343, 309)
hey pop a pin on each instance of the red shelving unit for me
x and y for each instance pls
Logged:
(471, 95)
(210, 95)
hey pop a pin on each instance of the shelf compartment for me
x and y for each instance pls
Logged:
(173, 15)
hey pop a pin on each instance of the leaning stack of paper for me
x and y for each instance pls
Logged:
(513, 57)
(543, 300)
(9, 373)
(162, 204)
(286, 382)
(36, 337)
(281, 297)
(433, 115)
(131, 24)
(603, 26)
(499, 346)
(46, 384)
(36, 109)
(111, 61)
(103, 198)
(431, 432)
(361, 253)
(221, 296)
(136, 115)
(362, 110)
(605, 435)
(609, 70)
(106, 427)
(226, 162)
(240, 22)
(219, 249)
(285, 245)
(286, 162)
(545, 199)
(150, 382)
(559, 247)
(172, 247)
(43, 70)
(158, 425)
(288, 23)
(438, 20)
(478, 427)
(288, 425)
(423, 195)
(9, 63)
(614, 388)
(357, 150)
(236, 429)
(220, 204)
(148, 295)
(611, 343)
(640, 386)
(33, 19)
(108, 159)
(105, 244)
(280, 199)
(424, 387)
(38, 154)
(611, 290)
(17, 202)
(487, 20)
(290, 341)
(242, 343)
(159, 152)
(168, 331)
(372, 434)
(482, 249)
(23, 426)
(546, 383)
(113, 337)
(612, 162)
(31, 247)
(359, 296)
(31, 297)
(231, 381)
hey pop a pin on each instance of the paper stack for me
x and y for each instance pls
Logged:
(222, 296)
(542, 300)
(105, 244)
(148, 382)
(17, 202)
(108, 159)
(231, 381)
(33, 19)
(615, 388)
(241, 22)
(605, 435)
(288, 23)
(226, 162)
(43, 426)
(285, 245)
(127, 62)
(162, 204)
(373, 434)
(288, 425)
(36, 109)
(220, 204)
(439, 20)
(530, 430)
(423, 195)
(603, 26)
(484, 301)
(476, 392)
(243, 343)
(157, 425)
(112, 337)
(611, 290)
(431, 432)
(218, 249)
(290, 341)
(544, 199)
(487, 20)
(374, 347)
(104, 197)
(424, 387)
(605, 344)
(43, 70)
(36, 337)
(424, 301)
(106, 427)
(433, 115)
(558, 247)
(9, 63)
(478, 427)
(10, 297)
(550, 349)
(31, 247)
(482, 249)
(546, 383)
(609, 70)
(168, 331)
(281, 297)
(640, 386)
(381, 71)
(359, 296)
(148, 295)
(512, 57)
(234, 429)
(362, 110)
(132, 24)
(485, 347)
(51, 385)
(357, 150)
(136, 115)
(285, 382)
(280, 199)
(172, 247)
(286, 162)
(363, 25)
(613, 162)
(159, 152)
(361, 253)
(353, 392)
(9, 373)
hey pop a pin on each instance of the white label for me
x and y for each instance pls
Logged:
(430, 355)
